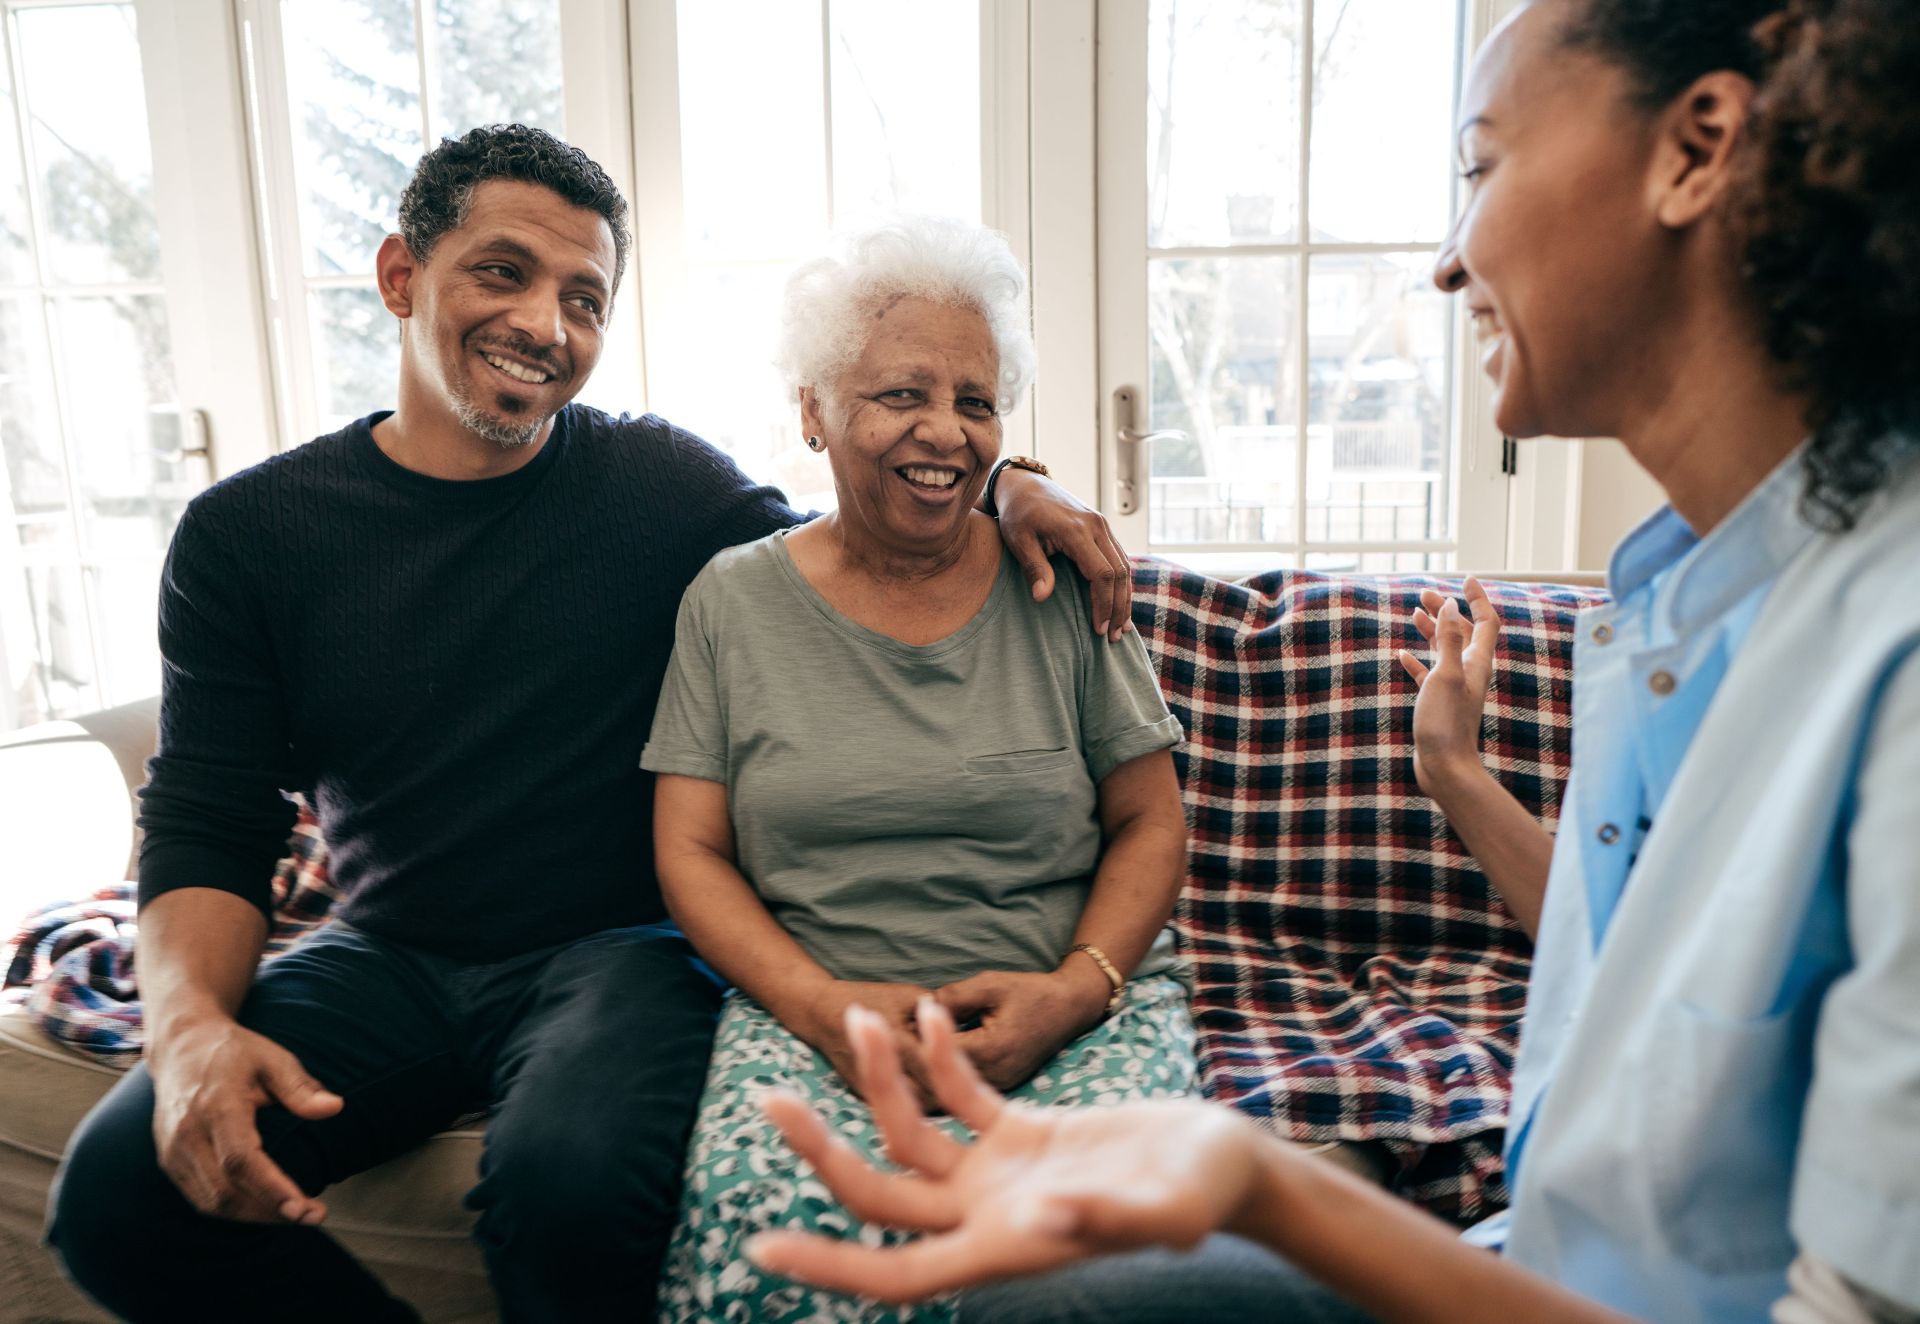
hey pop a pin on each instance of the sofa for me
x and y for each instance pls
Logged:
(1357, 981)
(68, 786)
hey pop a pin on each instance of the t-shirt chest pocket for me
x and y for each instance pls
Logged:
(1020, 762)
(1027, 794)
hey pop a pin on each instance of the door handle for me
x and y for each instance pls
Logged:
(1127, 442)
(196, 434)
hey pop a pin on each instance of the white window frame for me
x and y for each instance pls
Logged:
(1478, 491)
(659, 208)
(209, 243)
(209, 278)
(225, 265)
(1083, 183)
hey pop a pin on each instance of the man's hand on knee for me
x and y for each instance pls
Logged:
(210, 1079)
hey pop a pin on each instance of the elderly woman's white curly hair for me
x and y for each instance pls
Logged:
(824, 327)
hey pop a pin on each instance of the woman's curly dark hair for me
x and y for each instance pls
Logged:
(1664, 45)
(1828, 204)
(1830, 210)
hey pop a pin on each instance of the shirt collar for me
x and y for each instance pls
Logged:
(1659, 540)
(1744, 551)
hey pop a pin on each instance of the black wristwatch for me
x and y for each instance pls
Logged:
(1026, 462)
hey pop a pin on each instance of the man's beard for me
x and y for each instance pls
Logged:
(506, 433)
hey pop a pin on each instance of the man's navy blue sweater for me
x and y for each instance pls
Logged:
(460, 674)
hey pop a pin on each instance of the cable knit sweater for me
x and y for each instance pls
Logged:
(460, 674)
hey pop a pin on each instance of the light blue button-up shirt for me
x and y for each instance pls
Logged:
(1720, 1061)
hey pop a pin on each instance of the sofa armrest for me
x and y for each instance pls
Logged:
(67, 806)
(1565, 578)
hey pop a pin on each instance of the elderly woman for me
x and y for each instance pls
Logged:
(888, 774)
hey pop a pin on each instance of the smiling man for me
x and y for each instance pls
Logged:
(447, 624)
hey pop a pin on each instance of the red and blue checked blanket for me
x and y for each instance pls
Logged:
(72, 963)
(1357, 979)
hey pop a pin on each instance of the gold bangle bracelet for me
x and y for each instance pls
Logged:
(1107, 969)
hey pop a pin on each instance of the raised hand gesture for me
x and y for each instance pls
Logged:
(1453, 690)
(1513, 850)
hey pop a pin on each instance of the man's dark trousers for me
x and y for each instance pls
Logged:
(589, 1057)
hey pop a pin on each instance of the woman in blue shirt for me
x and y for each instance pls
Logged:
(1693, 225)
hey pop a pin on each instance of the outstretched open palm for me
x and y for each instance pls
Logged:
(1039, 1187)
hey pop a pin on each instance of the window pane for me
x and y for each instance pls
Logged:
(753, 166)
(89, 116)
(36, 475)
(736, 398)
(356, 349)
(16, 240)
(60, 679)
(1382, 120)
(494, 63)
(123, 422)
(1223, 121)
(906, 108)
(757, 199)
(1222, 369)
(124, 594)
(1378, 452)
(354, 98)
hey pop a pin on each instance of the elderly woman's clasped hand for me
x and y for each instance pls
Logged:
(821, 1020)
(1016, 1021)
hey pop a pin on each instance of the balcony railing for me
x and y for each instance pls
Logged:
(1365, 482)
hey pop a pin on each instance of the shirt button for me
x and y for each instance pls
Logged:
(1608, 834)
(1603, 634)
(1661, 682)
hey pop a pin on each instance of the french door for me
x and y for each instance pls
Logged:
(1280, 382)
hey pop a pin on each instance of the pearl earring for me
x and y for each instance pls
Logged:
(814, 443)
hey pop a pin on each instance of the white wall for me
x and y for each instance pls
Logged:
(1615, 495)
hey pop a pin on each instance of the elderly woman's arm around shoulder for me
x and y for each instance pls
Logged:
(728, 924)
(1042, 1187)
(1024, 1019)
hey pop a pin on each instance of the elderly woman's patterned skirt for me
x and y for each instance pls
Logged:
(742, 1178)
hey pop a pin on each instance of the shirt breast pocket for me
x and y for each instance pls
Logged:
(1018, 762)
(1723, 1123)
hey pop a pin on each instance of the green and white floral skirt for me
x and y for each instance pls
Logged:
(741, 1178)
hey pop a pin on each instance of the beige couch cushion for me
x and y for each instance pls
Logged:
(403, 1219)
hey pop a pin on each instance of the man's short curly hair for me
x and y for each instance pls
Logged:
(1831, 215)
(440, 194)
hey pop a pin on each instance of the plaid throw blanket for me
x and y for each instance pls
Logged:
(71, 963)
(1357, 978)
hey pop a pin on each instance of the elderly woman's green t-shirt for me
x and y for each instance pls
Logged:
(909, 813)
